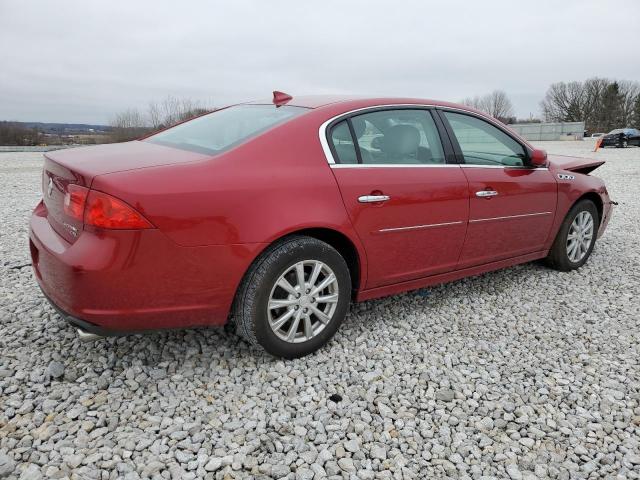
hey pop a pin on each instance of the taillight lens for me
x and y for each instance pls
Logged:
(74, 201)
(104, 211)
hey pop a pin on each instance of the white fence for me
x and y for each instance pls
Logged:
(550, 131)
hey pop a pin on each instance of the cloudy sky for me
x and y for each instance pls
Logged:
(83, 61)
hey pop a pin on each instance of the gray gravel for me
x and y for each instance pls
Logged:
(523, 373)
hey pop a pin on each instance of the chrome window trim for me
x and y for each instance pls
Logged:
(429, 165)
(418, 227)
(477, 220)
(393, 165)
(322, 132)
(510, 167)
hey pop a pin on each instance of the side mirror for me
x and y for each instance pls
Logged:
(538, 158)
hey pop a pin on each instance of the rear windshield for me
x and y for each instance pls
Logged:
(224, 129)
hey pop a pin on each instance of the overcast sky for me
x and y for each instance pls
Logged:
(83, 61)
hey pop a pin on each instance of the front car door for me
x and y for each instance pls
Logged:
(408, 205)
(511, 204)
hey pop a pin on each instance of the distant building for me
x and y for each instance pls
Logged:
(549, 131)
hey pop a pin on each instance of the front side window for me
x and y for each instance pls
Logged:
(398, 137)
(483, 144)
(224, 129)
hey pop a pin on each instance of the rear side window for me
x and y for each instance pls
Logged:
(402, 136)
(483, 144)
(342, 142)
(226, 128)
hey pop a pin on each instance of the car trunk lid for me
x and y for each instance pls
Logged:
(79, 166)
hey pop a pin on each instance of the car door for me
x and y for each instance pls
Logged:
(511, 205)
(408, 205)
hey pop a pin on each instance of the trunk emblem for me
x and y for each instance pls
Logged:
(50, 187)
(72, 230)
(564, 176)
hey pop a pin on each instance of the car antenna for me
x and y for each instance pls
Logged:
(280, 98)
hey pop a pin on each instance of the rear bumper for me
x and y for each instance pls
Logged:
(82, 324)
(112, 282)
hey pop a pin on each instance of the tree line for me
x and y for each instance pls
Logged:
(497, 104)
(134, 123)
(601, 103)
(12, 133)
(126, 125)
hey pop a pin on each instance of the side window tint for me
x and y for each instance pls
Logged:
(398, 137)
(343, 143)
(483, 144)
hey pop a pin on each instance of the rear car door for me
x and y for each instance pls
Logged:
(408, 204)
(511, 204)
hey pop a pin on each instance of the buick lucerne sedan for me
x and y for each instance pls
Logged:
(275, 215)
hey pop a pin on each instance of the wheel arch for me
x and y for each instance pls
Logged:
(344, 245)
(347, 247)
(596, 199)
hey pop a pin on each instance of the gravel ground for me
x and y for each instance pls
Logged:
(523, 373)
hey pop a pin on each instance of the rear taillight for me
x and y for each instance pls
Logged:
(105, 211)
(101, 210)
(74, 201)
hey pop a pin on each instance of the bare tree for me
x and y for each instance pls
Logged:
(131, 123)
(564, 102)
(599, 102)
(635, 121)
(473, 102)
(593, 91)
(496, 104)
(630, 92)
(172, 110)
(154, 114)
(128, 125)
(610, 114)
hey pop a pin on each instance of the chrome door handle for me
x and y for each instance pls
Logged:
(486, 193)
(373, 198)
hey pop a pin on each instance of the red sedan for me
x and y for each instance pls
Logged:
(276, 215)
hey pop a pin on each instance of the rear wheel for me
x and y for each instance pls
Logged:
(577, 236)
(293, 298)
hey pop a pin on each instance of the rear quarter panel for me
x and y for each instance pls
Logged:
(273, 185)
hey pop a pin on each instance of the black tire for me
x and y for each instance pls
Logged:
(558, 257)
(250, 305)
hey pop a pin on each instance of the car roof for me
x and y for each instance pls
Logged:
(361, 101)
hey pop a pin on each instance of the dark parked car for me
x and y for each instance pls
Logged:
(621, 138)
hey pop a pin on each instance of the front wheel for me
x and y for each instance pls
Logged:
(577, 236)
(293, 298)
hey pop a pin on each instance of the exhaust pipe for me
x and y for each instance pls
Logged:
(86, 336)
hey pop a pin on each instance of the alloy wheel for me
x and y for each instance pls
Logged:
(303, 301)
(580, 236)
